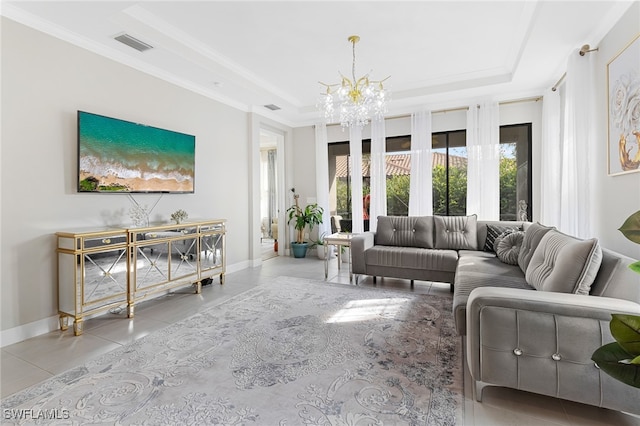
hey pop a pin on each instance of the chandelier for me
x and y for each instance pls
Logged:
(357, 100)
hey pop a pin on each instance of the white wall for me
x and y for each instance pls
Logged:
(617, 197)
(44, 82)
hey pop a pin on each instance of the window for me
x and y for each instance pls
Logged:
(398, 172)
(515, 173)
(449, 162)
(340, 176)
(398, 164)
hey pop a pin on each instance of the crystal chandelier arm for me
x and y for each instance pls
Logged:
(328, 86)
(359, 82)
(381, 81)
(348, 82)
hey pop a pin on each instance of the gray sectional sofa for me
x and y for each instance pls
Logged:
(532, 314)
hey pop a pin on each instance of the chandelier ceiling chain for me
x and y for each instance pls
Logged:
(358, 100)
(353, 39)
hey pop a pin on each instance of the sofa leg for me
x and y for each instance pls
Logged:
(374, 279)
(479, 386)
(411, 283)
(451, 287)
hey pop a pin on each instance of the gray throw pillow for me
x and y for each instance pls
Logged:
(456, 232)
(500, 237)
(508, 247)
(494, 231)
(564, 264)
(532, 237)
(405, 231)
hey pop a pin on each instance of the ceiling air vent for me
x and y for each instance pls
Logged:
(272, 107)
(133, 42)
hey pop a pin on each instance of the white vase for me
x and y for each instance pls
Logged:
(320, 252)
(345, 254)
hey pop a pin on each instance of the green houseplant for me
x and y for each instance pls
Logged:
(310, 216)
(621, 359)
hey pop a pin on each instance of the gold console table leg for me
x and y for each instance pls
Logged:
(130, 310)
(64, 322)
(221, 279)
(198, 287)
(78, 326)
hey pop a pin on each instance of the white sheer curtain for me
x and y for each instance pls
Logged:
(378, 172)
(420, 185)
(322, 177)
(483, 167)
(551, 153)
(355, 154)
(576, 209)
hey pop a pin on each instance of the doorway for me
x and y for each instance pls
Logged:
(269, 225)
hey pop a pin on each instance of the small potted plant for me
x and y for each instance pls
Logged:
(310, 216)
(344, 254)
(319, 245)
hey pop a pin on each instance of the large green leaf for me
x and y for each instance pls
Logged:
(609, 357)
(635, 267)
(626, 330)
(631, 227)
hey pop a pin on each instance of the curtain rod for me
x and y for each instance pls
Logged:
(555, 86)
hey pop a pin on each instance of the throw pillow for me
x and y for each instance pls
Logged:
(405, 231)
(500, 237)
(532, 237)
(508, 247)
(564, 264)
(456, 232)
(494, 231)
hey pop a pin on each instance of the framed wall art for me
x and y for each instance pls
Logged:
(623, 91)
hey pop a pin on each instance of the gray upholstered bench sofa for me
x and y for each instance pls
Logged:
(530, 324)
(421, 247)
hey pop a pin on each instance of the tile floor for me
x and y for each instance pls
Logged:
(26, 363)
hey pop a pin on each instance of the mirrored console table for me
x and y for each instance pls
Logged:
(102, 269)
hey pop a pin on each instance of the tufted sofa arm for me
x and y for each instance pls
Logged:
(542, 342)
(360, 243)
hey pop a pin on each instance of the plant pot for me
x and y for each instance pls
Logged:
(320, 252)
(344, 255)
(299, 249)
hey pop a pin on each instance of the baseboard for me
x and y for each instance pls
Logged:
(27, 331)
(237, 267)
(47, 325)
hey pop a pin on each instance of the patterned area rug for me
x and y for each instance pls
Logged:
(291, 352)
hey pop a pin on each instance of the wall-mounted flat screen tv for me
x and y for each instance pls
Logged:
(116, 156)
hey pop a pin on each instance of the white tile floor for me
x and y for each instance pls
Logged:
(26, 363)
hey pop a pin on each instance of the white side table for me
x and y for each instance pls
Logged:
(338, 239)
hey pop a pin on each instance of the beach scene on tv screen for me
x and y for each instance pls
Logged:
(121, 156)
